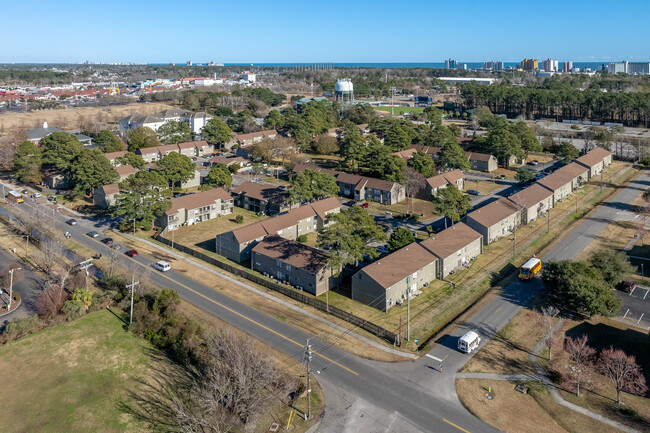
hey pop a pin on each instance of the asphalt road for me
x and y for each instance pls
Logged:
(29, 287)
(415, 393)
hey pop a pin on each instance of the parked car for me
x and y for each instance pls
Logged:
(503, 176)
(626, 286)
(365, 205)
(72, 222)
(350, 203)
(389, 213)
(93, 234)
(162, 266)
(131, 253)
(539, 176)
(382, 249)
(37, 195)
(473, 192)
(108, 241)
(533, 162)
(24, 192)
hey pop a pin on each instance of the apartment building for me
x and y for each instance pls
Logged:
(257, 197)
(195, 208)
(455, 248)
(495, 220)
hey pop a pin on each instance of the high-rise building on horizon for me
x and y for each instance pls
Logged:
(550, 65)
(632, 68)
(529, 64)
(451, 64)
(493, 65)
(567, 67)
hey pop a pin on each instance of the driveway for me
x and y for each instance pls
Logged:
(636, 306)
(29, 287)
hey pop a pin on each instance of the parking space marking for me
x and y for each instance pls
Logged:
(625, 315)
(638, 321)
(632, 291)
(646, 293)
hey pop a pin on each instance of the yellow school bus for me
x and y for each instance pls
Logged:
(530, 269)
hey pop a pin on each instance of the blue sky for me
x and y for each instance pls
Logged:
(259, 31)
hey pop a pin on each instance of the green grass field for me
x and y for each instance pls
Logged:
(75, 377)
(401, 110)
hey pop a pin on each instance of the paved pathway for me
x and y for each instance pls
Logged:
(492, 376)
(533, 358)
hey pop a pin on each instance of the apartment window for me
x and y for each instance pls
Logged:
(278, 263)
(308, 227)
(289, 268)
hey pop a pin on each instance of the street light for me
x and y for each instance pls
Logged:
(11, 285)
(26, 245)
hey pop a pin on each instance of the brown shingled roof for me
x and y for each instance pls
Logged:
(113, 188)
(475, 156)
(293, 253)
(260, 191)
(594, 156)
(450, 240)
(529, 197)
(556, 180)
(494, 212)
(190, 144)
(199, 199)
(125, 170)
(113, 155)
(398, 265)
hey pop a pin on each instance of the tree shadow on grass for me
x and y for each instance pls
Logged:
(151, 399)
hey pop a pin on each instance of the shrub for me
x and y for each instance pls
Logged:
(73, 310)
(19, 327)
(646, 161)
(302, 239)
(239, 219)
(82, 295)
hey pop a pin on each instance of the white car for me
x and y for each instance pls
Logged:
(36, 195)
(162, 266)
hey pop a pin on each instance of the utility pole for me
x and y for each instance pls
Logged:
(133, 226)
(548, 220)
(85, 265)
(408, 311)
(173, 239)
(131, 288)
(514, 241)
(308, 361)
(11, 285)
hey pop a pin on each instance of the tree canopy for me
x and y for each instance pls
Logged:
(173, 132)
(131, 159)
(91, 170)
(613, 266)
(503, 144)
(565, 151)
(219, 175)
(274, 120)
(176, 168)
(217, 132)
(27, 163)
(524, 175)
(453, 156)
(108, 142)
(451, 203)
(580, 288)
(400, 238)
(312, 185)
(141, 199)
(422, 163)
(141, 138)
(61, 149)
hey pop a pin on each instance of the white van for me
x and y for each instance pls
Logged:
(469, 342)
(162, 266)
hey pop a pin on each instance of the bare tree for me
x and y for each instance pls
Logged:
(238, 383)
(581, 363)
(623, 371)
(52, 253)
(413, 183)
(7, 153)
(5, 277)
(546, 326)
(51, 301)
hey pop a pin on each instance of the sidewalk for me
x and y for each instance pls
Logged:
(270, 297)
(558, 398)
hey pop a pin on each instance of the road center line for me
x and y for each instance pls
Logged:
(454, 425)
(235, 312)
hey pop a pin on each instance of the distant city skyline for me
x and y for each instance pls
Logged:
(72, 31)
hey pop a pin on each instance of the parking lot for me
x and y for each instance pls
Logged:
(636, 306)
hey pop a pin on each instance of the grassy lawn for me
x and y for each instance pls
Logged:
(263, 304)
(76, 377)
(401, 110)
(485, 187)
(311, 239)
(199, 234)
(507, 354)
(504, 410)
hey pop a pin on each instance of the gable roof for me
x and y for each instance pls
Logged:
(297, 255)
(39, 133)
(202, 198)
(594, 156)
(112, 188)
(322, 207)
(260, 192)
(113, 155)
(188, 144)
(530, 196)
(494, 212)
(574, 169)
(448, 178)
(227, 160)
(148, 150)
(264, 134)
(556, 180)
(451, 240)
(125, 170)
(398, 265)
(475, 156)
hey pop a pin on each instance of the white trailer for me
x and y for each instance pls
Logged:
(469, 342)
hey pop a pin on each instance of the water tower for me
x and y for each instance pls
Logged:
(344, 91)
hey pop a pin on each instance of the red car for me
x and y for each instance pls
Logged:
(365, 205)
(131, 253)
